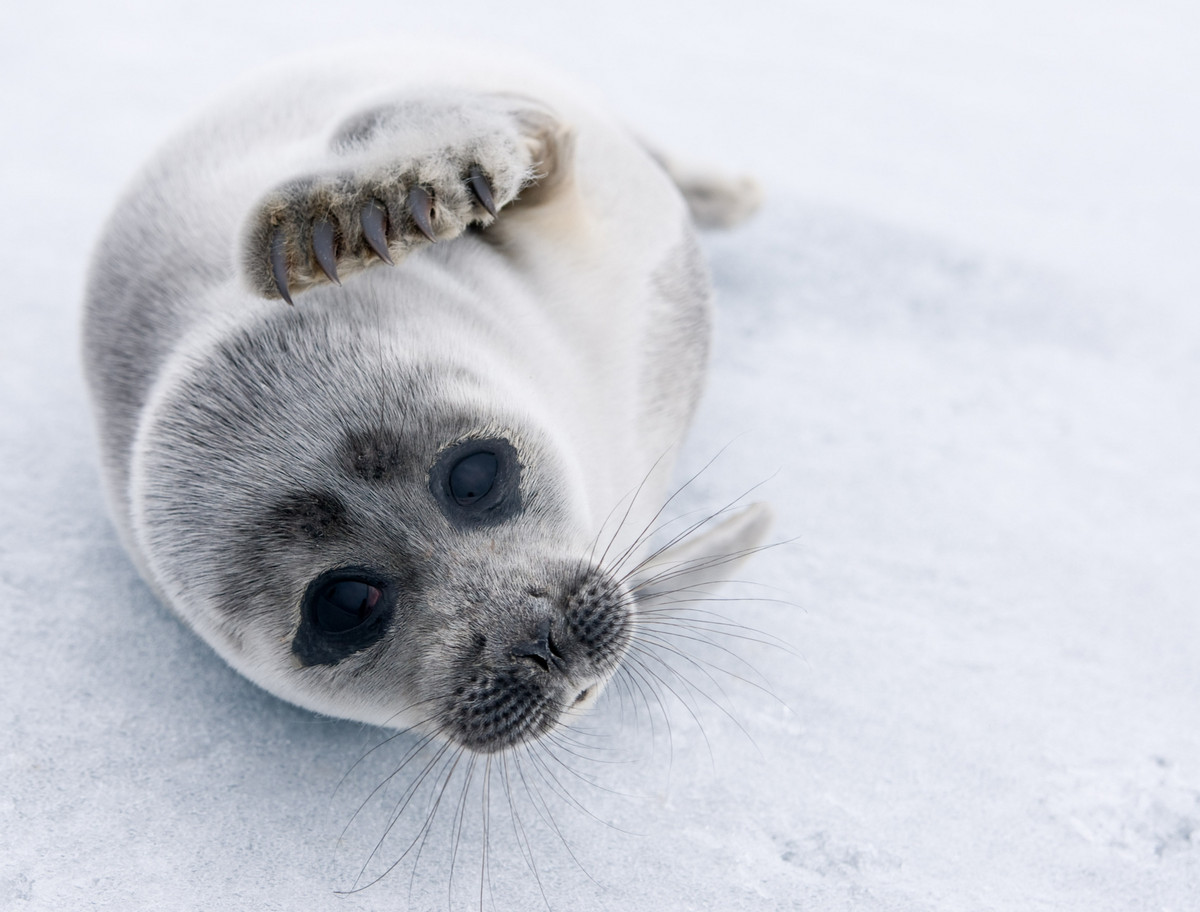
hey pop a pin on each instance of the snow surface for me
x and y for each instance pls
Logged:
(960, 347)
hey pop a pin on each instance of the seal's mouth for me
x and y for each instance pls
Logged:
(520, 685)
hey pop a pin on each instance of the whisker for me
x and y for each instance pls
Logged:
(692, 688)
(691, 529)
(519, 831)
(408, 758)
(427, 826)
(638, 674)
(457, 828)
(543, 810)
(650, 528)
(692, 565)
(646, 654)
(629, 508)
(394, 816)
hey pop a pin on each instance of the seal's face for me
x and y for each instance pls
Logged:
(376, 541)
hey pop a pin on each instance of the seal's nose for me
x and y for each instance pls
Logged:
(541, 650)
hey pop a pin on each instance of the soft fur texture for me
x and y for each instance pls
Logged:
(250, 447)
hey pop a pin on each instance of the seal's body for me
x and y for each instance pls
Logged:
(414, 498)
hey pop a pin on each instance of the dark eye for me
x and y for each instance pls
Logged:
(477, 481)
(344, 605)
(472, 477)
(344, 611)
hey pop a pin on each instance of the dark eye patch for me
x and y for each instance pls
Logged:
(343, 612)
(477, 481)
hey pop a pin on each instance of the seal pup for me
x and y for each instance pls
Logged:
(418, 496)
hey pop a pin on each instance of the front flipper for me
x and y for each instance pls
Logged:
(403, 175)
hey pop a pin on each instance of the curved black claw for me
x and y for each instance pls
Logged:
(279, 264)
(374, 226)
(323, 248)
(482, 190)
(420, 204)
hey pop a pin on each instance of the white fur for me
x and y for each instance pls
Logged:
(584, 308)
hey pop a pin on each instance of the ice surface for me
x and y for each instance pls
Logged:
(960, 350)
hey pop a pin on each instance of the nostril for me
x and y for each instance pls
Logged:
(520, 652)
(541, 650)
(582, 695)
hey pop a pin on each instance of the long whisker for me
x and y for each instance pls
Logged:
(395, 815)
(692, 529)
(543, 811)
(646, 531)
(456, 830)
(693, 565)
(427, 826)
(632, 500)
(549, 817)
(408, 758)
(519, 831)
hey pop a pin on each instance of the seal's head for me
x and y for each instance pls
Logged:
(378, 535)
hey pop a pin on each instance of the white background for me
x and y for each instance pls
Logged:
(960, 345)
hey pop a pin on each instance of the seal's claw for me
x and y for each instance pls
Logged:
(323, 249)
(420, 204)
(390, 188)
(279, 265)
(374, 226)
(482, 190)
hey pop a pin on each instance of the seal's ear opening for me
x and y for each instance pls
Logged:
(703, 561)
(477, 482)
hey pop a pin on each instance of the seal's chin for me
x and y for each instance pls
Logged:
(543, 671)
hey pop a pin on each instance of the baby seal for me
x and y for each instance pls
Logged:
(418, 496)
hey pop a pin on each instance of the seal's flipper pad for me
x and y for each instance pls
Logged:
(397, 176)
(703, 561)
